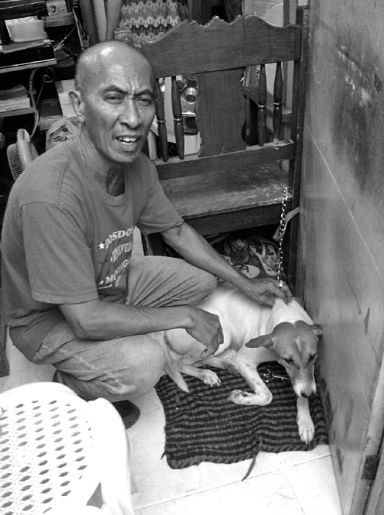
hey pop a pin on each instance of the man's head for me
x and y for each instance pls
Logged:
(114, 100)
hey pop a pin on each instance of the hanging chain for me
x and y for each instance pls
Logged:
(280, 236)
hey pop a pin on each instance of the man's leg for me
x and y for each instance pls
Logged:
(114, 369)
(120, 368)
(155, 281)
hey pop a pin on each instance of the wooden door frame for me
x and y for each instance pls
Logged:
(369, 494)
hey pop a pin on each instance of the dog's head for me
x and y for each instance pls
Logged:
(295, 345)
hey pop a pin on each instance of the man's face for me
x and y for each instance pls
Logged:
(118, 108)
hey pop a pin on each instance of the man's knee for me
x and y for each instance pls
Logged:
(146, 364)
(156, 281)
(206, 283)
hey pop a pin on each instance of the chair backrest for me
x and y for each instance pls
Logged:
(248, 158)
(218, 55)
(21, 153)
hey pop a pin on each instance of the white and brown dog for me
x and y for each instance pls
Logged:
(253, 334)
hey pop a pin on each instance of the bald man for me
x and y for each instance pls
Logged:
(73, 295)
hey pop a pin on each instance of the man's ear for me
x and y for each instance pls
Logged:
(77, 104)
(317, 330)
(261, 341)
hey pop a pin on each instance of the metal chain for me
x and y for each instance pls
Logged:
(267, 375)
(280, 235)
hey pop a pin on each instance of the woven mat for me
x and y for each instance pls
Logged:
(204, 426)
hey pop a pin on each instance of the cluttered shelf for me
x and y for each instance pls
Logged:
(35, 36)
(39, 44)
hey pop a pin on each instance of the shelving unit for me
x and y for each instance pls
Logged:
(38, 66)
(28, 66)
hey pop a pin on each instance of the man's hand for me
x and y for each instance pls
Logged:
(206, 328)
(265, 291)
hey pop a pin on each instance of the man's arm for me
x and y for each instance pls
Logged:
(197, 251)
(100, 320)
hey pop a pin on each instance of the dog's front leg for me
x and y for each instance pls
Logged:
(261, 394)
(304, 420)
(208, 377)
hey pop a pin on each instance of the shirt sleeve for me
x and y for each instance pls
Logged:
(158, 213)
(58, 259)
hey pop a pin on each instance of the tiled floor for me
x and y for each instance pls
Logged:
(291, 483)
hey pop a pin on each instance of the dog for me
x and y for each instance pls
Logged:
(253, 334)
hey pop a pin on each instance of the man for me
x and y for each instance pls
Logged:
(73, 296)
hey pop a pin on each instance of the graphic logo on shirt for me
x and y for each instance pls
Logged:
(118, 248)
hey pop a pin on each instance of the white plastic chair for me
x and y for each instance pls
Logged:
(56, 449)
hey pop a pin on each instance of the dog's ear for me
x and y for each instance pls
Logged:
(317, 330)
(260, 341)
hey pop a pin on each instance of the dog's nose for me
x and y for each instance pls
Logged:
(307, 395)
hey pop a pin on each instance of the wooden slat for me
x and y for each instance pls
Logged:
(249, 218)
(242, 160)
(177, 118)
(221, 112)
(201, 195)
(221, 46)
(277, 103)
(297, 129)
(261, 107)
(161, 125)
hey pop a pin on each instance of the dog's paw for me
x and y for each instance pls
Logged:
(210, 378)
(306, 428)
(261, 398)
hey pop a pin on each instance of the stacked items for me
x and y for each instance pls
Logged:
(14, 98)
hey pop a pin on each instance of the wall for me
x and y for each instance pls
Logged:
(342, 226)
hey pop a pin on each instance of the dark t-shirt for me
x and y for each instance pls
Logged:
(66, 240)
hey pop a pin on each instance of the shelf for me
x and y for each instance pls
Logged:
(28, 66)
(17, 112)
(22, 56)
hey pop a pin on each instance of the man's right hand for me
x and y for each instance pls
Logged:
(206, 328)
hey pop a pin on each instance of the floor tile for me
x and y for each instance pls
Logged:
(270, 494)
(22, 371)
(314, 485)
(296, 457)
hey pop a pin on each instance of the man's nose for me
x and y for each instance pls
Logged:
(131, 115)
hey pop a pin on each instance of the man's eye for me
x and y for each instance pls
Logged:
(289, 361)
(145, 100)
(113, 97)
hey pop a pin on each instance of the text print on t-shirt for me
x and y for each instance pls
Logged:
(117, 247)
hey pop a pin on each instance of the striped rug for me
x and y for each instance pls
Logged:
(204, 426)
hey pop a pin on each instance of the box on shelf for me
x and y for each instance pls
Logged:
(14, 98)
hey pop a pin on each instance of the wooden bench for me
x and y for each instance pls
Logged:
(230, 185)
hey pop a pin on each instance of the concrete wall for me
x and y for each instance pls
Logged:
(342, 226)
